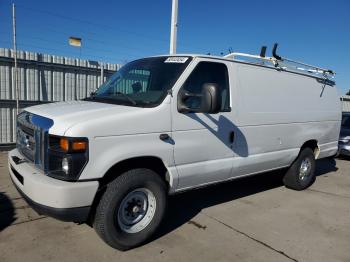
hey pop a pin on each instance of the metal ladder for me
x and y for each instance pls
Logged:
(283, 63)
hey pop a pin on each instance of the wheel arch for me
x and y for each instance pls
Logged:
(312, 144)
(151, 162)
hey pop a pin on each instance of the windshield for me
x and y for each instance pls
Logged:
(143, 82)
(345, 122)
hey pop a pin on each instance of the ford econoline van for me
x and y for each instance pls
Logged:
(163, 125)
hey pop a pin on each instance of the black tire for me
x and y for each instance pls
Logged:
(293, 178)
(107, 218)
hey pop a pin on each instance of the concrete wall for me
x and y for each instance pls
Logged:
(44, 78)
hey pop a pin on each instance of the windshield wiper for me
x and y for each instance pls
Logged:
(127, 97)
(93, 96)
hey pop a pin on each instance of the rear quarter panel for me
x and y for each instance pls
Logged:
(278, 112)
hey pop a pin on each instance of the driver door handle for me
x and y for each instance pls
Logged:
(232, 137)
(164, 137)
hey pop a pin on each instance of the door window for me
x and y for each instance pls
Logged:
(208, 72)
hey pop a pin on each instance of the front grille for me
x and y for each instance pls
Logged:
(26, 142)
(27, 129)
(32, 136)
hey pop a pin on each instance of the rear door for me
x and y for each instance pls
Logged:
(203, 142)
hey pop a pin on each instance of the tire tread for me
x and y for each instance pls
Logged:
(122, 181)
(291, 178)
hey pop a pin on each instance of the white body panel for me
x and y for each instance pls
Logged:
(51, 192)
(272, 115)
(277, 113)
(115, 133)
(203, 153)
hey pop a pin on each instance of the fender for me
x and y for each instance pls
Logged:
(109, 151)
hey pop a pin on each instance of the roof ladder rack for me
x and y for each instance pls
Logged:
(277, 60)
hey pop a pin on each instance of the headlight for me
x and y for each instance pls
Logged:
(67, 157)
(65, 165)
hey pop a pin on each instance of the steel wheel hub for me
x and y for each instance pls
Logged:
(136, 210)
(305, 169)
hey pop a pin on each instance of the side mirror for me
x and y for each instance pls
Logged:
(210, 101)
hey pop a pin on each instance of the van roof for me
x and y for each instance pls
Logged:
(322, 78)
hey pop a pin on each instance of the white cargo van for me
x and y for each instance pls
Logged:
(163, 125)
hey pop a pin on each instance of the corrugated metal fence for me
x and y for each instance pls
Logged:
(44, 78)
(345, 103)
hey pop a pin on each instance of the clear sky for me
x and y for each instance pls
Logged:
(316, 32)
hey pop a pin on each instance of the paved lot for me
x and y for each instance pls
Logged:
(252, 219)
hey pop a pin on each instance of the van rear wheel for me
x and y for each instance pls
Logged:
(131, 209)
(301, 174)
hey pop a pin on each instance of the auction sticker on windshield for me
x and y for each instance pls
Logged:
(176, 59)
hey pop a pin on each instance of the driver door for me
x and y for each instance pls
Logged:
(203, 142)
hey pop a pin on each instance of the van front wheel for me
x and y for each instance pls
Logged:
(131, 209)
(301, 174)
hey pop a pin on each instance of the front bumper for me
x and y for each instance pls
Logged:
(67, 201)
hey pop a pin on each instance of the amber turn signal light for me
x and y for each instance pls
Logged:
(64, 144)
(72, 146)
(79, 146)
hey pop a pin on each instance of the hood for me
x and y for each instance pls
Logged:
(67, 114)
(86, 118)
(69, 109)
